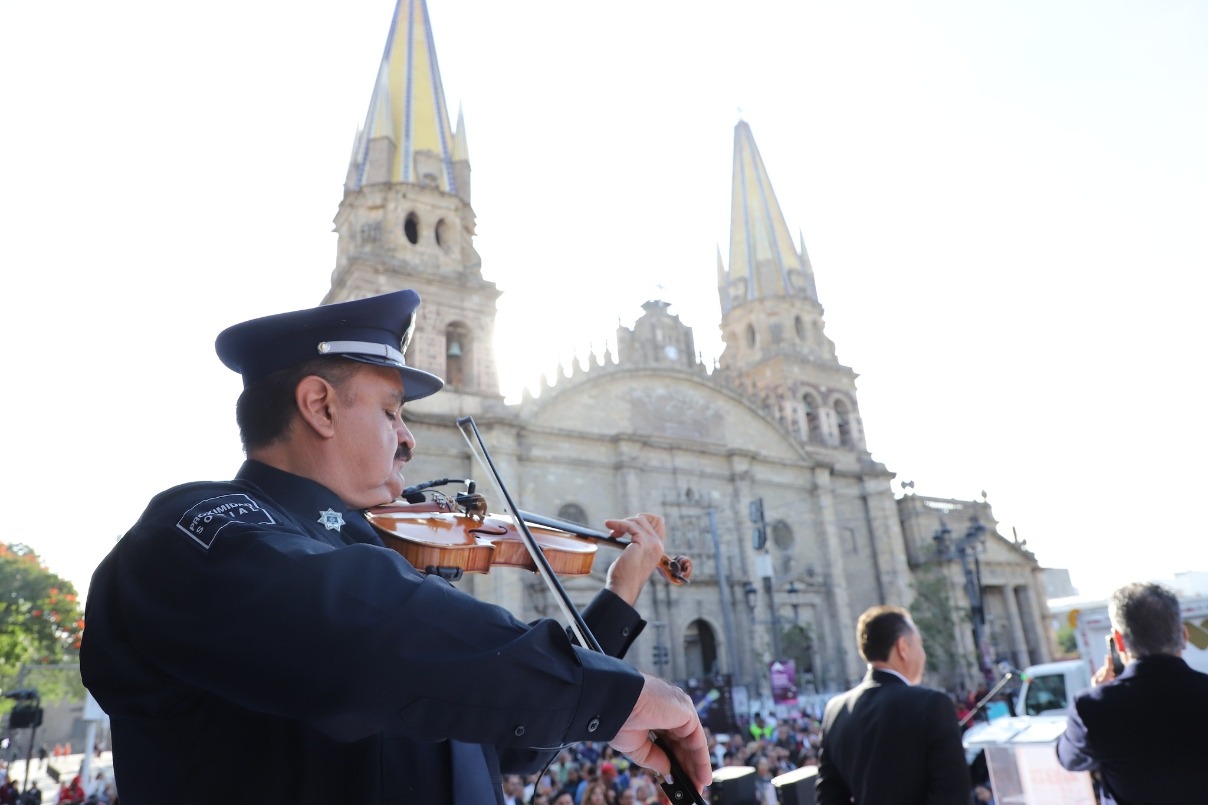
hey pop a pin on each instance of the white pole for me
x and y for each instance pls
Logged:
(86, 763)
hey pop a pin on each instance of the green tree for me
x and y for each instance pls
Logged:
(40, 622)
(1067, 643)
(937, 619)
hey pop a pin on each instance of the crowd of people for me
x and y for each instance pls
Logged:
(100, 790)
(887, 740)
(11, 793)
(595, 774)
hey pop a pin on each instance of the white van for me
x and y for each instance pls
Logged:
(1048, 688)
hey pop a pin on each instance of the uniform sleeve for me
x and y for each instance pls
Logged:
(613, 622)
(351, 640)
(615, 625)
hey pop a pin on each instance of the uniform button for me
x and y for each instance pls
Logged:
(625, 632)
(594, 724)
(519, 730)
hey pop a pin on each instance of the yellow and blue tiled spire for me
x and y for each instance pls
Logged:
(407, 108)
(764, 261)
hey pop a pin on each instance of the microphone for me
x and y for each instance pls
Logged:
(413, 494)
(1007, 669)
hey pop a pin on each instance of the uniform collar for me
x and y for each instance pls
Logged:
(319, 510)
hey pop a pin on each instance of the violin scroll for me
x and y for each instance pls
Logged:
(677, 570)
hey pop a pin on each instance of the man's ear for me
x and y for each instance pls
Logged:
(1119, 638)
(315, 398)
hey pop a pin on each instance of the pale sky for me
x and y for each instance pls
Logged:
(1004, 204)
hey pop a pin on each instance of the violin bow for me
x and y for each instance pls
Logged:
(679, 788)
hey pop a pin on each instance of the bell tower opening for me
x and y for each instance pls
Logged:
(843, 421)
(444, 235)
(458, 348)
(813, 425)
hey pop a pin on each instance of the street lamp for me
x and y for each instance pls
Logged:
(792, 591)
(752, 594)
(965, 549)
(26, 713)
(749, 592)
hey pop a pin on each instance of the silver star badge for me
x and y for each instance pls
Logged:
(332, 519)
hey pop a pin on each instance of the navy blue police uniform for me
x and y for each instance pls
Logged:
(254, 641)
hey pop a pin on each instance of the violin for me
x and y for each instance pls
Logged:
(455, 536)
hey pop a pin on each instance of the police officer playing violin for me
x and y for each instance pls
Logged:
(257, 630)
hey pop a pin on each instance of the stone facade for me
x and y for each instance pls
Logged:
(653, 429)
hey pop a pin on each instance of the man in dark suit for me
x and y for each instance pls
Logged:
(1143, 733)
(886, 741)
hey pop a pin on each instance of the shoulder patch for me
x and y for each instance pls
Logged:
(204, 520)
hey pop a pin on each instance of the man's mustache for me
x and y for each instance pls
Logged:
(403, 453)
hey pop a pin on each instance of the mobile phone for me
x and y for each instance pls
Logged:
(1117, 665)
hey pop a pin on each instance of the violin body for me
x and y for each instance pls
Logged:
(429, 537)
(455, 536)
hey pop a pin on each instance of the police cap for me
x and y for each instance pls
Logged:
(375, 330)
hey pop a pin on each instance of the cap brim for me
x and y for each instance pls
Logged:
(417, 383)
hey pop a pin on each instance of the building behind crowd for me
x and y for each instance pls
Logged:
(769, 439)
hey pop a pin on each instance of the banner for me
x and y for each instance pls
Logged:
(783, 674)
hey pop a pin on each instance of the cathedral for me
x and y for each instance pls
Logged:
(759, 464)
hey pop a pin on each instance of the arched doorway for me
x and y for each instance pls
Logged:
(700, 650)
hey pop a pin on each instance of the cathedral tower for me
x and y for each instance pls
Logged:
(772, 322)
(406, 222)
(651, 430)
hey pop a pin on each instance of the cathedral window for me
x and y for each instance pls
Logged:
(573, 513)
(843, 419)
(411, 228)
(457, 354)
(750, 335)
(800, 326)
(782, 535)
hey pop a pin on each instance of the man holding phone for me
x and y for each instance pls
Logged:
(1141, 730)
(1113, 655)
